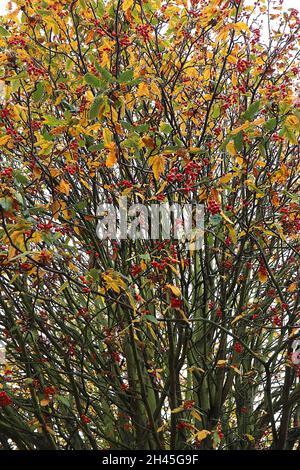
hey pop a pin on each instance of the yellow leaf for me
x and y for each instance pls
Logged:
(201, 435)
(196, 415)
(292, 120)
(50, 431)
(263, 277)
(151, 331)
(244, 126)
(232, 234)
(44, 402)
(197, 369)
(107, 136)
(161, 428)
(155, 89)
(292, 287)
(240, 26)
(231, 148)
(176, 291)
(236, 370)
(112, 156)
(113, 281)
(143, 265)
(55, 209)
(231, 59)
(127, 4)
(206, 74)
(157, 163)
(221, 362)
(183, 316)
(226, 178)
(226, 218)
(64, 187)
(143, 90)
(177, 410)
(4, 140)
(237, 319)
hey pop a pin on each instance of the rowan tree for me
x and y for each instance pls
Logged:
(148, 344)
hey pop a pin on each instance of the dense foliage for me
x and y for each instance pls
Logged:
(146, 344)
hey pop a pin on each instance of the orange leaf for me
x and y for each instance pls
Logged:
(158, 165)
(64, 187)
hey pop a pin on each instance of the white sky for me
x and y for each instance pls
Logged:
(287, 4)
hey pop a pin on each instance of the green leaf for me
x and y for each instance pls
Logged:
(52, 121)
(126, 76)
(38, 93)
(95, 147)
(5, 203)
(92, 80)
(63, 400)
(251, 111)
(95, 108)
(20, 178)
(100, 8)
(165, 128)
(94, 273)
(150, 318)
(105, 73)
(4, 32)
(238, 141)
(289, 134)
(216, 111)
(271, 124)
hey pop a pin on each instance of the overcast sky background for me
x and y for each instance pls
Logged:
(287, 4)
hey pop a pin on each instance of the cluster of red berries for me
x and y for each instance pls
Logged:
(82, 311)
(35, 71)
(189, 175)
(272, 89)
(228, 264)
(45, 227)
(7, 172)
(188, 404)
(184, 425)
(5, 400)
(125, 184)
(4, 113)
(14, 134)
(213, 207)
(175, 302)
(144, 30)
(160, 265)
(276, 320)
(238, 348)
(36, 125)
(85, 419)
(74, 145)
(17, 41)
(50, 391)
(219, 313)
(135, 269)
(242, 65)
(45, 256)
(24, 266)
(116, 356)
(71, 169)
(125, 40)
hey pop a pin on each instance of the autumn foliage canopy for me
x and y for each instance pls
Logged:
(147, 344)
